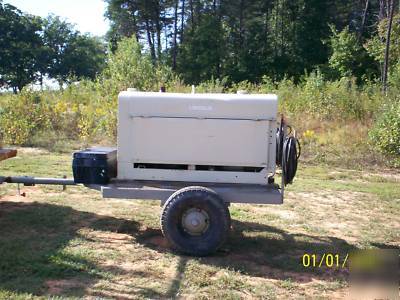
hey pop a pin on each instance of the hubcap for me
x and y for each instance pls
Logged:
(195, 221)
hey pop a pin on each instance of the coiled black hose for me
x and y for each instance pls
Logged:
(288, 151)
(290, 157)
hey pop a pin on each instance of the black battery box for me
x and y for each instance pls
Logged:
(95, 165)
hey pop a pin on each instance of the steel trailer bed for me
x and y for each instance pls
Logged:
(162, 190)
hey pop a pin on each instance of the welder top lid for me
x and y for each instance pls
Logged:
(220, 106)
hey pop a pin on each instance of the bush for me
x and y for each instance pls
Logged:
(349, 58)
(21, 116)
(385, 134)
(212, 86)
(129, 67)
(328, 100)
(54, 141)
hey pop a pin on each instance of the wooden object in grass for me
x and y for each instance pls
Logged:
(7, 153)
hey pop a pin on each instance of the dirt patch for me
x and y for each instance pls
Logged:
(341, 294)
(158, 241)
(338, 213)
(388, 174)
(112, 295)
(14, 198)
(117, 241)
(283, 214)
(112, 237)
(20, 198)
(56, 287)
(10, 203)
(33, 151)
(329, 197)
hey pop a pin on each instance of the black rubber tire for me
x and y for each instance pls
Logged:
(218, 225)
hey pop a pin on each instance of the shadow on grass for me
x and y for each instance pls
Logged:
(33, 258)
(33, 255)
(270, 252)
(259, 250)
(264, 251)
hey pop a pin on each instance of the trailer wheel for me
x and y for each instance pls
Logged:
(195, 220)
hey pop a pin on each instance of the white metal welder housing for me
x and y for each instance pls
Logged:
(219, 138)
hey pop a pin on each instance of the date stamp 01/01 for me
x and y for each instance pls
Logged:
(330, 260)
(372, 272)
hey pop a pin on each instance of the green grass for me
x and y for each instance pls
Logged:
(385, 188)
(75, 244)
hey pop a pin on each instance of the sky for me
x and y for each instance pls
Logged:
(87, 15)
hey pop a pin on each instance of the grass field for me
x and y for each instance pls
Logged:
(75, 244)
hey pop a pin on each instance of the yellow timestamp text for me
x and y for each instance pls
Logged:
(330, 260)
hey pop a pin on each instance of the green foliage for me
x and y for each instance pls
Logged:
(19, 118)
(240, 40)
(48, 118)
(87, 110)
(348, 57)
(129, 67)
(201, 53)
(394, 75)
(235, 40)
(345, 52)
(376, 45)
(328, 100)
(212, 86)
(68, 53)
(87, 113)
(385, 134)
(20, 44)
(32, 48)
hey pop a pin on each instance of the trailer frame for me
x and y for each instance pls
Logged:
(162, 190)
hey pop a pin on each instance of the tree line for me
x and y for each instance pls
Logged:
(247, 39)
(33, 48)
(201, 40)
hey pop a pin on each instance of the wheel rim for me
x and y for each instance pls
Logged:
(195, 221)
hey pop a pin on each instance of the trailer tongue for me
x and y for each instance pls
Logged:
(31, 181)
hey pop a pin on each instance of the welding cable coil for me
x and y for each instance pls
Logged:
(290, 156)
(287, 153)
